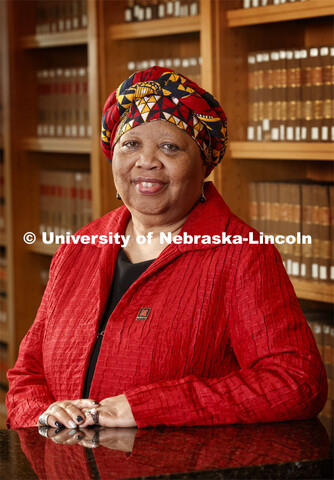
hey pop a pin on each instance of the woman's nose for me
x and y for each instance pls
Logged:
(148, 158)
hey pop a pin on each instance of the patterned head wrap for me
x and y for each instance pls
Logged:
(161, 94)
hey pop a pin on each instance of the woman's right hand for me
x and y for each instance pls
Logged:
(66, 413)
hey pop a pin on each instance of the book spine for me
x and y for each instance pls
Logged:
(276, 96)
(326, 93)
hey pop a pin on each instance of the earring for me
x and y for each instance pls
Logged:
(118, 196)
(202, 199)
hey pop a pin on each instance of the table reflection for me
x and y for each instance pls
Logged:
(118, 453)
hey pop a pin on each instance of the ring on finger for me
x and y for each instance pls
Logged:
(44, 431)
(95, 415)
(43, 419)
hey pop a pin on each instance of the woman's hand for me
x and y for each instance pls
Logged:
(67, 413)
(111, 412)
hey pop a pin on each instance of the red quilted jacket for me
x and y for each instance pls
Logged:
(224, 342)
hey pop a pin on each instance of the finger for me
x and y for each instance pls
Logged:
(85, 403)
(60, 414)
(88, 422)
(76, 413)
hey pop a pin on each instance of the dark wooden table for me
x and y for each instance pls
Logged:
(274, 451)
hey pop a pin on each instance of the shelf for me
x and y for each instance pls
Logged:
(155, 28)
(47, 40)
(283, 150)
(313, 290)
(60, 145)
(42, 248)
(280, 13)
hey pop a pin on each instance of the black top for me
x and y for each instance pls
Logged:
(126, 273)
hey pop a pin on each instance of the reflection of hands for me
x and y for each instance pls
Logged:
(111, 412)
(68, 413)
(114, 439)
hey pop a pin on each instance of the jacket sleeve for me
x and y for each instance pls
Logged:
(29, 395)
(281, 374)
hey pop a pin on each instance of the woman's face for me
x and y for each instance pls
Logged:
(158, 171)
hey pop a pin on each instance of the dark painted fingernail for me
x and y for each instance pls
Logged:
(79, 418)
(79, 437)
(95, 402)
(58, 424)
(59, 429)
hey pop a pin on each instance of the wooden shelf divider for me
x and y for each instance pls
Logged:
(280, 13)
(58, 145)
(313, 290)
(42, 248)
(155, 28)
(283, 150)
(61, 39)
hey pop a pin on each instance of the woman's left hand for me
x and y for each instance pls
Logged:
(111, 412)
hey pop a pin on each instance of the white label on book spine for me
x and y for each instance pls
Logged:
(332, 134)
(282, 132)
(289, 133)
(84, 21)
(323, 272)
(59, 131)
(81, 130)
(302, 271)
(289, 266)
(315, 133)
(169, 8)
(67, 131)
(61, 25)
(52, 130)
(161, 10)
(297, 133)
(295, 268)
(75, 22)
(74, 131)
(148, 13)
(275, 134)
(315, 270)
(68, 24)
(324, 134)
(331, 272)
(264, 3)
(128, 15)
(246, 4)
(89, 131)
(303, 133)
(250, 133)
(259, 133)
(255, 3)
(177, 8)
(194, 9)
(265, 124)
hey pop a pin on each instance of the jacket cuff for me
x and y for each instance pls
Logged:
(165, 403)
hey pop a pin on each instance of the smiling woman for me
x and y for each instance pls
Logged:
(188, 333)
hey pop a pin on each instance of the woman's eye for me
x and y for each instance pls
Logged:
(170, 147)
(130, 144)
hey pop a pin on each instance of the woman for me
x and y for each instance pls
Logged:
(189, 333)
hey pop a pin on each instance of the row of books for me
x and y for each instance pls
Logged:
(63, 102)
(284, 208)
(65, 201)
(145, 10)
(188, 66)
(290, 95)
(60, 16)
(322, 327)
(265, 3)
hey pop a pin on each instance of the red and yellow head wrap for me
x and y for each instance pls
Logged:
(161, 94)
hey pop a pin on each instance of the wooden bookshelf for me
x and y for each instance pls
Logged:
(58, 145)
(315, 151)
(313, 290)
(49, 40)
(155, 28)
(280, 13)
